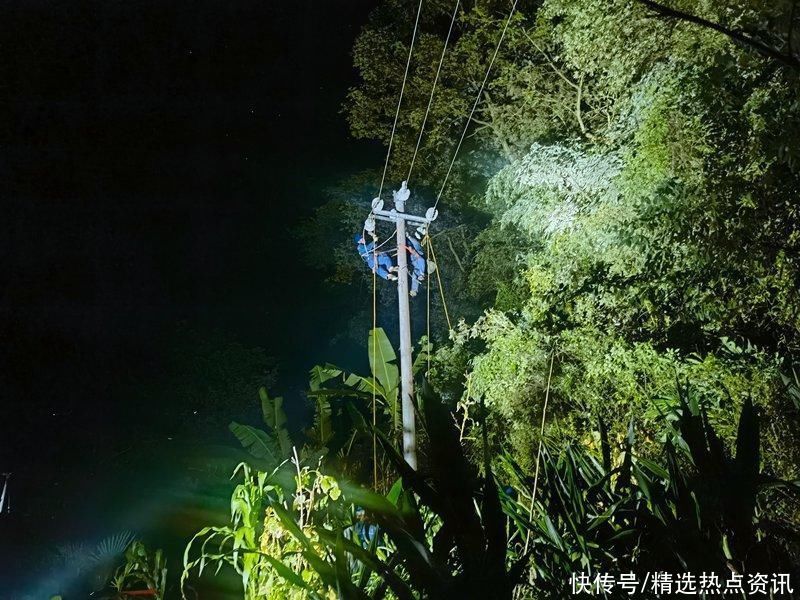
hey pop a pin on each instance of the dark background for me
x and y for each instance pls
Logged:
(155, 158)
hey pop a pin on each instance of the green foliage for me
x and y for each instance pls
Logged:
(644, 231)
(271, 542)
(142, 570)
(273, 445)
(333, 384)
(332, 431)
(447, 530)
(381, 360)
(698, 512)
(322, 431)
(325, 247)
(495, 276)
(89, 566)
(275, 418)
(598, 376)
(439, 534)
(259, 443)
(462, 552)
(529, 94)
(332, 390)
(660, 241)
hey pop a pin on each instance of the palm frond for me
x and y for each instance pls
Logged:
(112, 547)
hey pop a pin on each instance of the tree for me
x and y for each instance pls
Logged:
(666, 241)
(787, 57)
(515, 107)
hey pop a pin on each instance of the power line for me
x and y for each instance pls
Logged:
(433, 89)
(400, 99)
(477, 100)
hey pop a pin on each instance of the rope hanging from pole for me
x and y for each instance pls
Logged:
(439, 279)
(428, 320)
(374, 383)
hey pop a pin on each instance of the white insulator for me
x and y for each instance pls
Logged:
(402, 194)
(369, 224)
(431, 214)
(377, 204)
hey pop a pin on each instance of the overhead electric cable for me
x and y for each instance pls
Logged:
(400, 99)
(433, 90)
(477, 101)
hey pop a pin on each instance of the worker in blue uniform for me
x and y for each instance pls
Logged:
(364, 529)
(384, 267)
(418, 265)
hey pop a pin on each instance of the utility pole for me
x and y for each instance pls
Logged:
(406, 375)
(399, 217)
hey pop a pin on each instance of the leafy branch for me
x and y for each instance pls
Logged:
(737, 35)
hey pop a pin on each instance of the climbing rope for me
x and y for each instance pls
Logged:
(439, 279)
(400, 99)
(477, 101)
(374, 383)
(433, 90)
(428, 320)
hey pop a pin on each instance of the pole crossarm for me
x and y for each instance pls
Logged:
(394, 216)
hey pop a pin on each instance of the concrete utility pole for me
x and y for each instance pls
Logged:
(406, 375)
(399, 217)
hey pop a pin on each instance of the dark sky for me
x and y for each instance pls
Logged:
(154, 157)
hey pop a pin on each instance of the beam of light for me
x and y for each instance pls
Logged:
(193, 493)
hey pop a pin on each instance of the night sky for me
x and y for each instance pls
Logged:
(155, 157)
